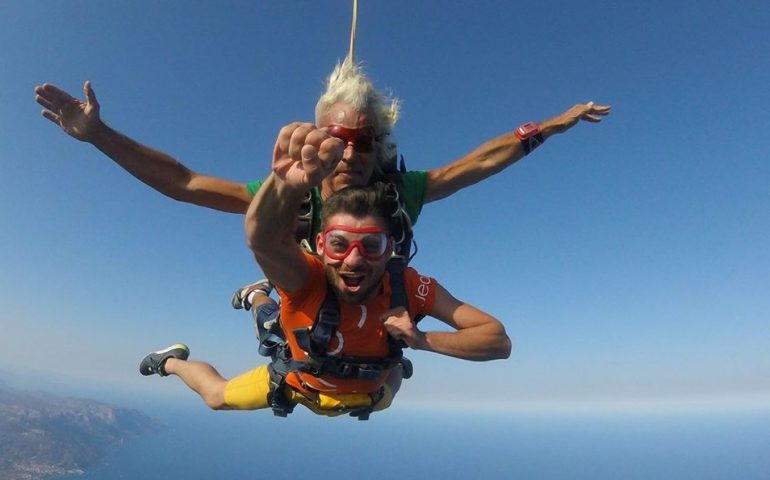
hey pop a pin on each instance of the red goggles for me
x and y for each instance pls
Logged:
(361, 139)
(338, 241)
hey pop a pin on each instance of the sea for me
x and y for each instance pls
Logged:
(449, 443)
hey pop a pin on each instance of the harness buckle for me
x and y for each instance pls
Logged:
(280, 405)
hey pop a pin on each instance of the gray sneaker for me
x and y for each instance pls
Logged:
(241, 296)
(154, 362)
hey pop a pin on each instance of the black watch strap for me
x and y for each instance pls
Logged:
(532, 142)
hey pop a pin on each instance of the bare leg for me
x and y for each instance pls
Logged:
(259, 299)
(201, 378)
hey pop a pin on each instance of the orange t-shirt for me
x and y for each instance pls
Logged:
(360, 332)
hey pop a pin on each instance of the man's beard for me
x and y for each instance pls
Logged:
(333, 278)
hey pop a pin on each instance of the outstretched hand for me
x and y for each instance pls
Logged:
(588, 112)
(79, 119)
(304, 155)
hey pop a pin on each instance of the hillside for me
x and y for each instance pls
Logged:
(43, 435)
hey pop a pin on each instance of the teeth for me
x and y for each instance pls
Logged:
(351, 280)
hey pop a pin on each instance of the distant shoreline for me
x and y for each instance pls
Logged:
(44, 435)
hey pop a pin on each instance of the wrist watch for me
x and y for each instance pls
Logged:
(530, 136)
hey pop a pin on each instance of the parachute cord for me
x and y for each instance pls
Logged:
(352, 49)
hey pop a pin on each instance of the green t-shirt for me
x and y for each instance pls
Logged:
(411, 187)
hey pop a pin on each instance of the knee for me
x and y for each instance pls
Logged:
(215, 398)
(215, 402)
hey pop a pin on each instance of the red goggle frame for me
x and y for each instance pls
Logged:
(361, 139)
(371, 242)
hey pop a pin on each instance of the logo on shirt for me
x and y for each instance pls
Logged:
(423, 289)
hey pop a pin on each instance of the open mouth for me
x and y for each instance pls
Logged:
(352, 280)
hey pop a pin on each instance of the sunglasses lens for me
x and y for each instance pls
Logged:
(364, 144)
(361, 139)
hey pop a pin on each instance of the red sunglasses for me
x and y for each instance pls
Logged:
(361, 139)
(339, 240)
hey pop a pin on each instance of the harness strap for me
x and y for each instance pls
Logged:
(269, 332)
(304, 230)
(396, 267)
(278, 402)
(326, 324)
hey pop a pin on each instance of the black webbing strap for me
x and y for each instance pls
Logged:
(326, 322)
(400, 224)
(316, 340)
(396, 267)
(304, 230)
(269, 333)
(278, 402)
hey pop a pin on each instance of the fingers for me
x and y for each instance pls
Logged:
(90, 95)
(284, 136)
(53, 94)
(302, 146)
(594, 113)
(315, 148)
(51, 116)
(311, 164)
(397, 322)
(45, 96)
(330, 152)
(44, 102)
(297, 140)
(397, 312)
(55, 101)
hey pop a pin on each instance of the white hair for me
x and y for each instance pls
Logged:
(348, 84)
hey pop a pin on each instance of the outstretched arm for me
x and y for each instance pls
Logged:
(302, 157)
(82, 121)
(478, 336)
(499, 153)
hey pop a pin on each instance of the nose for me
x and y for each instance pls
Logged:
(350, 154)
(354, 257)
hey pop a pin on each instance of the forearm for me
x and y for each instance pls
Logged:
(501, 152)
(478, 343)
(489, 158)
(270, 222)
(157, 169)
(271, 217)
(552, 126)
(168, 176)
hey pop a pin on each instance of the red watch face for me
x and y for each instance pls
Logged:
(527, 130)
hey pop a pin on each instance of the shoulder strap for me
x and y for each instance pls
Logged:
(316, 340)
(304, 230)
(398, 298)
(400, 224)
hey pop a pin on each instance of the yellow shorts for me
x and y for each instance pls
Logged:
(249, 391)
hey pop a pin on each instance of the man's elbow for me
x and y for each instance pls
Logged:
(252, 235)
(502, 344)
(504, 351)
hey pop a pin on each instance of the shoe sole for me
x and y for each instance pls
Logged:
(177, 346)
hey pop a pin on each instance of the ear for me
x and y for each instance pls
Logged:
(319, 244)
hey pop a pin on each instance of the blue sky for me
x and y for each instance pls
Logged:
(628, 260)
